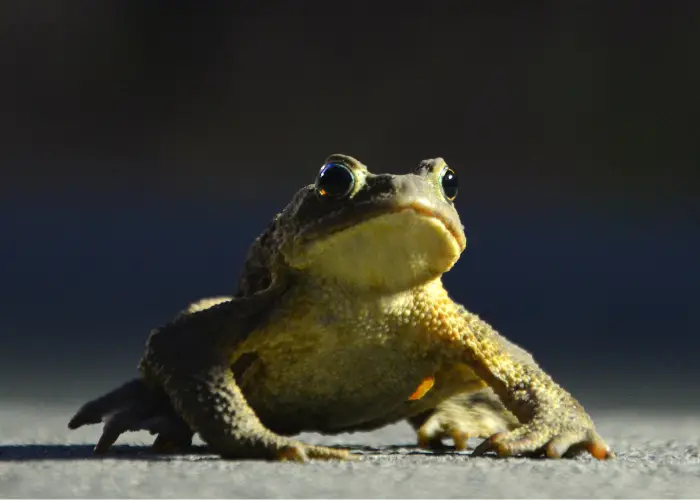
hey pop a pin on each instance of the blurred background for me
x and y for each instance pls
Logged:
(145, 144)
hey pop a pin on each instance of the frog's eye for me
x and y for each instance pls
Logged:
(335, 180)
(449, 183)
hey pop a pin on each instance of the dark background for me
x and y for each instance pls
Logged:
(145, 144)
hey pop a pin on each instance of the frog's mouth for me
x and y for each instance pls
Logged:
(348, 217)
(457, 232)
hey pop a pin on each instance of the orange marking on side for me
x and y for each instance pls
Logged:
(423, 388)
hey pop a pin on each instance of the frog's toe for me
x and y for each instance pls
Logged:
(133, 396)
(430, 441)
(566, 444)
(292, 453)
(431, 437)
(114, 426)
(575, 445)
(326, 453)
(299, 452)
(460, 440)
(599, 449)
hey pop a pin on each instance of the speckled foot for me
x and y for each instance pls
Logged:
(554, 434)
(478, 414)
(132, 407)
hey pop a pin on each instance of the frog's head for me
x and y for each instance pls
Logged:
(379, 231)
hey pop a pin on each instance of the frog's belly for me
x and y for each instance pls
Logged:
(354, 387)
(331, 362)
(324, 393)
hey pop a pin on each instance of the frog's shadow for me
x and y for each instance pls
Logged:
(39, 452)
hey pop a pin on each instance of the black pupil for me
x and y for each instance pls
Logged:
(450, 185)
(335, 180)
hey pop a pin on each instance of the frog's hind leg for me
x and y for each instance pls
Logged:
(467, 415)
(135, 406)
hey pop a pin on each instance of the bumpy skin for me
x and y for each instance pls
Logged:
(341, 323)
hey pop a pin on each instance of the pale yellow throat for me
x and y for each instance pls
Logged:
(393, 251)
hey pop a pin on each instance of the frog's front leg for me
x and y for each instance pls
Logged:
(553, 423)
(190, 360)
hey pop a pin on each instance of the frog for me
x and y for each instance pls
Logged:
(341, 323)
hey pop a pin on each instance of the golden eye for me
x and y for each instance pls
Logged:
(449, 183)
(335, 180)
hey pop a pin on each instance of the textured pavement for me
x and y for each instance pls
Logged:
(658, 455)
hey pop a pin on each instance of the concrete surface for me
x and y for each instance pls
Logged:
(658, 456)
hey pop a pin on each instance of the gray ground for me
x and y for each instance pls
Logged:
(658, 456)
